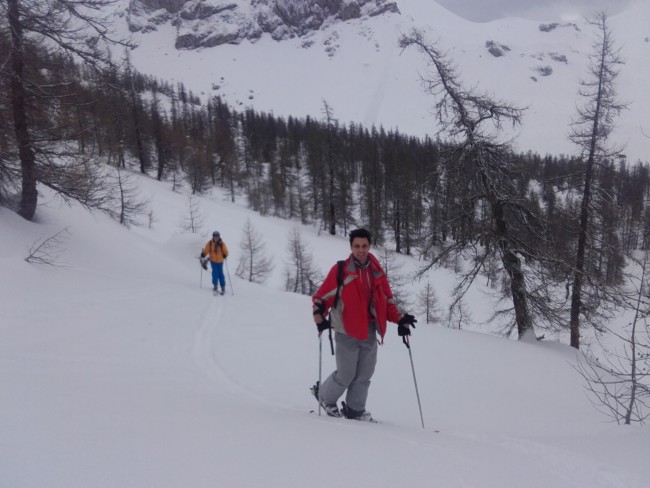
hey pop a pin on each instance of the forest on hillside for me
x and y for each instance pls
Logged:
(313, 169)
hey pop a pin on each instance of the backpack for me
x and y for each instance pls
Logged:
(339, 282)
(220, 245)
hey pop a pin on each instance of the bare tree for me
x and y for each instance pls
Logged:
(301, 276)
(428, 304)
(396, 278)
(130, 204)
(254, 265)
(590, 131)
(193, 221)
(136, 115)
(47, 250)
(151, 219)
(618, 379)
(458, 315)
(492, 219)
(73, 28)
(331, 160)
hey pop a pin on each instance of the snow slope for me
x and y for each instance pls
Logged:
(357, 67)
(119, 368)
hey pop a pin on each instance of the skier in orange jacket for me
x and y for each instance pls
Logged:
(216, 252)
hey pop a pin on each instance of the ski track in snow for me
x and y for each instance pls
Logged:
(205, 353)
(576, 470)
(572, 469)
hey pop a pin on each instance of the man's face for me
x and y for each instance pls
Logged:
(360, 248)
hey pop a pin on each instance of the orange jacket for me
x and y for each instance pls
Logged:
(217, 251)
(352, 313)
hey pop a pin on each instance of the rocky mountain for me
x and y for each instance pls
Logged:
(209, 23)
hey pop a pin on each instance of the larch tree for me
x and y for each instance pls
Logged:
(429, 305)
(490, 218)
(75, 29)
(618, 377)
(254, 265)
(301, 276)
(590, 131)
(129, 205)
(331, 160)
(193, 220)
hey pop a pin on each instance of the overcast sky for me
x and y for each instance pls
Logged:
(485, 10)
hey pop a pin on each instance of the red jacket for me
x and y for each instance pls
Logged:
(353, 312)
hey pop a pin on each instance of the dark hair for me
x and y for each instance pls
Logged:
(362, 233)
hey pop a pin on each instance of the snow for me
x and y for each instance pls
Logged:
(359, 70)
(119, 368)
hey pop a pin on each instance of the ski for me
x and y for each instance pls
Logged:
(314, 391)
(372, 421)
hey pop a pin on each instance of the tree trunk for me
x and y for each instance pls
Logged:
(578, 274)
(29, 197)
(138, 132)
(512, 265)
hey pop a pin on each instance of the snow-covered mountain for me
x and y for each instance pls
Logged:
(288, 57)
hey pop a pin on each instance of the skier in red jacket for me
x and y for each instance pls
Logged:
(364, 303)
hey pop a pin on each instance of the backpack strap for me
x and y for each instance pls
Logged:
(339, 282)
(213, 248)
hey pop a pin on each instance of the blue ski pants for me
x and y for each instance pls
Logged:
(217, 274)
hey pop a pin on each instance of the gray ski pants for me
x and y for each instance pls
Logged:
(355, 365)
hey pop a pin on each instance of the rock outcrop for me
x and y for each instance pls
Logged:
(208, 23)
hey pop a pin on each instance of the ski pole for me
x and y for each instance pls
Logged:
(201, 282)
(232, 290)
(415, 381)
(320, 367)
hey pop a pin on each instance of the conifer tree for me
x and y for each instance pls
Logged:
(129, 203)
(428, 304)
(254, 265)
(301, 276)
(74, 28)
(193, 220)
(590, 131)
(490, 208)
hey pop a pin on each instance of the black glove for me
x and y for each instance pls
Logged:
(324, 325)
(402, 330)
(202, 254)
(204, 262)
(320, 310)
